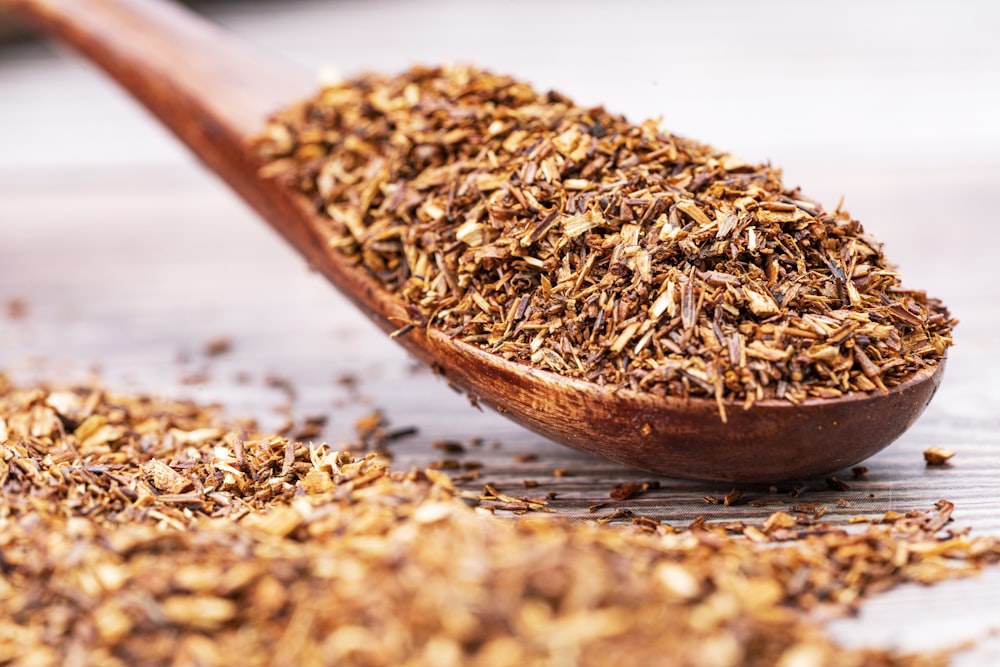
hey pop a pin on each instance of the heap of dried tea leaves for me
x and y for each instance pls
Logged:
(136, 531)
(573, 240)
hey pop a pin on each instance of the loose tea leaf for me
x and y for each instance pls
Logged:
(16, 308)
(572, 240)
(937, 456)
(184, 540)
(217, 347)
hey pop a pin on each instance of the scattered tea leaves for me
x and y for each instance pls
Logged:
(140, 531)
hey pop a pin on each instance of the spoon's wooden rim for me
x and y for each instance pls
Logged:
(772, 441)
(916, 377)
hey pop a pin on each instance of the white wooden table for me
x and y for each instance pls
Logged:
(129, 258)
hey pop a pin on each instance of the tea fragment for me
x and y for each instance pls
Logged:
(629, 490)
(734, 497)
(16, 308)
(937, 456)
(834, 483)
(217, 347)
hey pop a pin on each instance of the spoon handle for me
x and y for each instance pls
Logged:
(206, 85)
(212, 90)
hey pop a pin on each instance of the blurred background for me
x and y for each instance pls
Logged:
(119, 253)
(872, 85)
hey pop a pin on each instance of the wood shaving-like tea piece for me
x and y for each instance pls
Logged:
(16, 308)
(936, 456)
(217, 347)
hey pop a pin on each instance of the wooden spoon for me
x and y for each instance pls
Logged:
(214, 93)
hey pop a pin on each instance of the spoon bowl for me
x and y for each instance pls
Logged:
(215, 94)
(771, 441)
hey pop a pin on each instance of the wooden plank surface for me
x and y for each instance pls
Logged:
(128, 258)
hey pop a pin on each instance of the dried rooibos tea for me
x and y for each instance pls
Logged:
(575, 241)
